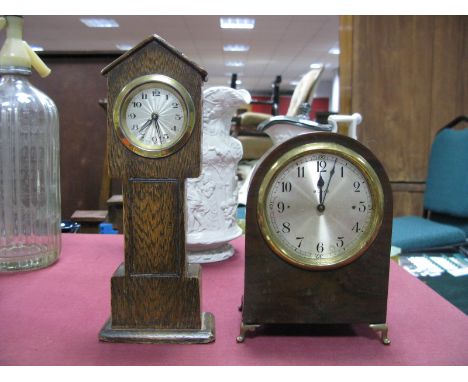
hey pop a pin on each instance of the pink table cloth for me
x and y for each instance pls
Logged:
(53, 317)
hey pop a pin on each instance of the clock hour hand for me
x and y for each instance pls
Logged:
(320, 185)
(146, 125)
(332, 172)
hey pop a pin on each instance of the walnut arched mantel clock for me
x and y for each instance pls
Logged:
(154, 144)
(318, 234)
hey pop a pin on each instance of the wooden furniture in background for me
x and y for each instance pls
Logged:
(89, 220)
(275, 97)
(106, 181)
(256, 143)
(407, 76)
(407, 197)
(115, 208)
(76, 85)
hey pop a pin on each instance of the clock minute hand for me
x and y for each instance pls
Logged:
(158, 130)
(332, 172)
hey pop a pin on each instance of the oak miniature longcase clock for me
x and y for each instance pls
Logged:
(154, 144)
(318, 233)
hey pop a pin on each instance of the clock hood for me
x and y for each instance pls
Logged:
(203, 73)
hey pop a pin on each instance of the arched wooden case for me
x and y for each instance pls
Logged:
(277, 292)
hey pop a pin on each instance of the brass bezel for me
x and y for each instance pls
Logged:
(375, 189)
(123, 100)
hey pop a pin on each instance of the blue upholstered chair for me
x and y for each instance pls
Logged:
(445, 219)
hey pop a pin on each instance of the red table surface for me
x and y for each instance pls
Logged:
(53, 317)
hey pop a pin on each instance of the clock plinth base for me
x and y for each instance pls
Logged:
(157, 309)
(205, 334)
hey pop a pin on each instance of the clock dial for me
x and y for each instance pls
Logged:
(320, 206)
(154, 115)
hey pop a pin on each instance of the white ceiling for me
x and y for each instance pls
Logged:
(279, 45)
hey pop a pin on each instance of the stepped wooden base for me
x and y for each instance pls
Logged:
(205, 334)
(157, 309)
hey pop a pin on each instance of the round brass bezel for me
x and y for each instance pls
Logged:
(353, 252)
(146, 82)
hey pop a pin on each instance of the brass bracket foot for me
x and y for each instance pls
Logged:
(383, 329)
(243, 331)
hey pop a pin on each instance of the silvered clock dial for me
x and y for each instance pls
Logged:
(153, 115)
(320, 205)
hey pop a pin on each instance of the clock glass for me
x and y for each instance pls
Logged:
(154, 115)
(320, 206)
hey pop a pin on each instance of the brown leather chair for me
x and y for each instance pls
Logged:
(256, 143)
(303, 92)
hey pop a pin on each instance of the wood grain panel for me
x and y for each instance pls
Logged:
(392, 72)
(407, 203)
(408, 199)
(156, 302)
(450, 74)
(152, 230)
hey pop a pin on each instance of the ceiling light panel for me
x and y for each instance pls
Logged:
(236, 48)
(236, 64)
(99, 23)
(236, 23)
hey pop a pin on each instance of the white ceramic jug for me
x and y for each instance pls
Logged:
(212, 198)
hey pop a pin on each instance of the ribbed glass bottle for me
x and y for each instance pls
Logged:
(29, 174)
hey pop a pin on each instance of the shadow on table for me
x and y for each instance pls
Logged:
(315, 330)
